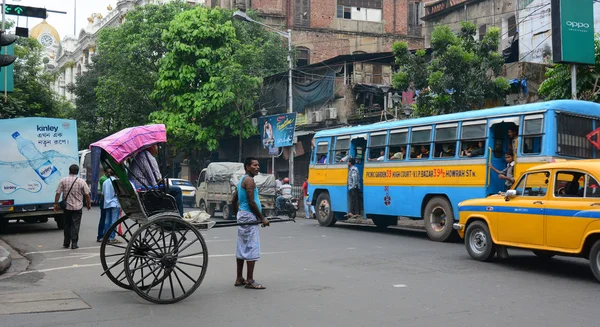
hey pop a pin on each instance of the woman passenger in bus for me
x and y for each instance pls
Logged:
(424, 152)
(399, 155)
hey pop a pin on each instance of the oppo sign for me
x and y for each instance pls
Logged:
(573, 31)
(578, 24)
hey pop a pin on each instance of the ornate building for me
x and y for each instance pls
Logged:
(70, 57)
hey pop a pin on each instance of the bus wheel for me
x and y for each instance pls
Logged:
(439, 218)
(323, 210)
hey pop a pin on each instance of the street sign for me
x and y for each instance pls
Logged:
(25, 11)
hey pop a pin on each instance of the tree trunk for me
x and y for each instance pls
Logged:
(240, 140)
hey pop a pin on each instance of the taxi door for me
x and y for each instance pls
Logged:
(575, 191)
(521, 218)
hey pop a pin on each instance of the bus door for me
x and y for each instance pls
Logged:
(498, 142)
(358, 148)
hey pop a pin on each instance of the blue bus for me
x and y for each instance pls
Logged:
(423, 168)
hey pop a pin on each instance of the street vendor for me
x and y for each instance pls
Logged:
(246, 205)
(145, 173)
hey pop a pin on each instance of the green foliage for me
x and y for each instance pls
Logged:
(211, 76)
(461, 75)
(557, 84)
(32, 96)
(91, 125)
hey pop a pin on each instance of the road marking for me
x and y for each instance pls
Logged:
(110, 263)
(98, 247)
(400, 285)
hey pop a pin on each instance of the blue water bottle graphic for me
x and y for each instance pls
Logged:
(42, 166)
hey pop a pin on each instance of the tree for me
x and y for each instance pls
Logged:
(211, 76)
(557, 84)
(116, 92)
(462, 74)
(91, 125)
(32, 96)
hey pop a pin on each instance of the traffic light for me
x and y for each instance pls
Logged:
(6, 40)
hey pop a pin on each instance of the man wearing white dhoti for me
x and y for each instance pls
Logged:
(246, 204)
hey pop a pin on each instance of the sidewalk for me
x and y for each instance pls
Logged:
(5, 257)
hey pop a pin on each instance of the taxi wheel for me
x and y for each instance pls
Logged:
(323, 211)
(478, 242)
(439, 217)
(595, 259)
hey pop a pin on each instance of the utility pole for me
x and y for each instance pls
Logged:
(574, 81)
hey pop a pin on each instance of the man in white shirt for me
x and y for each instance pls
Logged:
(286, 193)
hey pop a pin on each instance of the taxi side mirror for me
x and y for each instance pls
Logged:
(510, 194)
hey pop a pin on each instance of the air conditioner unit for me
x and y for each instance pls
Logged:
(331, 113)
(318, 116)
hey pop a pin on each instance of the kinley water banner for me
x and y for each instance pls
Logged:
(36, 154)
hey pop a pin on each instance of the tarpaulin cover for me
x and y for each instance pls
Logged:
(130, 140)
(222, 171)
(218, 172)
(265, 183)
(316, 92)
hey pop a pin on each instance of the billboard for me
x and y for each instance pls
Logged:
(36, 154)
(277, 131)
(573, 31)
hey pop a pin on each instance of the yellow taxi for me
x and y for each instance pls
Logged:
(553, 209)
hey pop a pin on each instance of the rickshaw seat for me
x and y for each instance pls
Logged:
(143, 204)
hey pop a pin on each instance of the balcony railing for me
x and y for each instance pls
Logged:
(440, 6)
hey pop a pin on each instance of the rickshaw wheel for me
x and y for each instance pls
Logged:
(175, 262)
(115, 269)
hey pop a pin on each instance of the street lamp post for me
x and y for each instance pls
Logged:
(396, 98)
(240, 15)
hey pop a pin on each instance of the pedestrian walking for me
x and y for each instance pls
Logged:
(102, 221)
(112, 207)
(246, 205)
(72, 189)
(353, 189)
(309, 210)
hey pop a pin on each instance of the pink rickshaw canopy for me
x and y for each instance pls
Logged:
(129, 141)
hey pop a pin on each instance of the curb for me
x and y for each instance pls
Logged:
(5, 259)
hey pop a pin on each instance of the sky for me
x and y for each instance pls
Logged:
(63, 22)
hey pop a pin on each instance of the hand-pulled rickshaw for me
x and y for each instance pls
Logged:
(157, 253)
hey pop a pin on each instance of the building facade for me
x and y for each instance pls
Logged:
(323, 29)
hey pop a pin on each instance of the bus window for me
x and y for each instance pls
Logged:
(398, 142)
(377, 145)
(342, 146)
(445, 140)
(322, 148)
(472, 140)
(532, 134)
(572, 131)
(420, 143)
